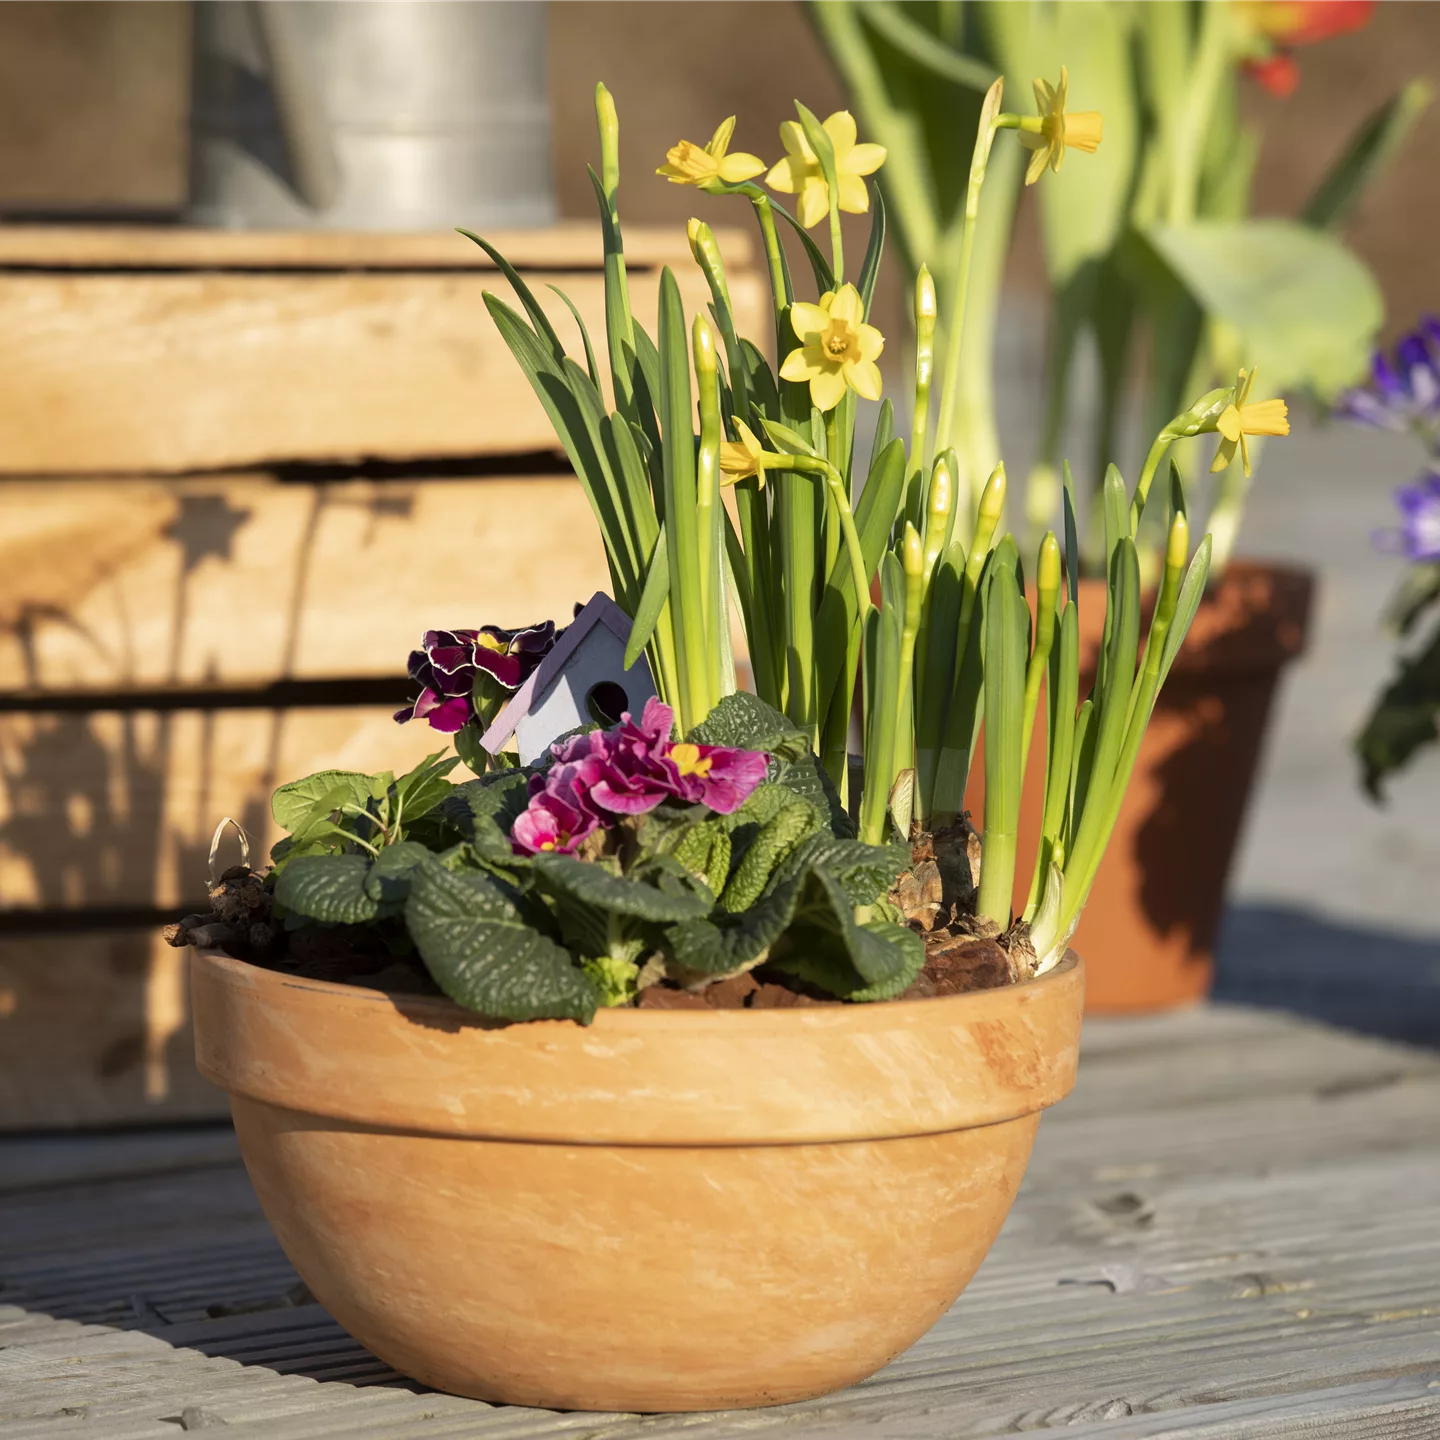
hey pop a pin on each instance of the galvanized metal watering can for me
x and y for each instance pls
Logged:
(382, 115)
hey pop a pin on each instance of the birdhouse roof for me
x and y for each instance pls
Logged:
(602, 611)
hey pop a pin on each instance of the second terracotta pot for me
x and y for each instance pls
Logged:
(663, 1211)
(1148, 930)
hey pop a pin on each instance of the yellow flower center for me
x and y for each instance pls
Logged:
(840, 342)
(547, 844)
(490, 642)
(688, 760)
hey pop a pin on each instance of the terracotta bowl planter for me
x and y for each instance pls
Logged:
(1153, 912)
(664, 1211)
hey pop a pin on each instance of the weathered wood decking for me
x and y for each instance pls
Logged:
(1232, 1229)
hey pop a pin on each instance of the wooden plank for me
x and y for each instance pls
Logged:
(1262, 1293)
(569, 245)
(109, 808)
(242, 579)
(95, 1029)
(177, 371)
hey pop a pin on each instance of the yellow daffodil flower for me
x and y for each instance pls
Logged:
(741, 458)
(1237, 420)
(800, 173)
(1058, 131)
(705, 165)
(837, 349)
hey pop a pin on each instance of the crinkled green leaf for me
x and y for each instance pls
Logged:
(808, 778)
(388, 880)
(481, 952)
(745, 722)
(594, 884)
(826, 947)
(727, 944)
(866, 872)
(330, 888)
(771, 843)
(484, 810)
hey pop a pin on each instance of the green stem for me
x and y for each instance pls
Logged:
(775, 260)
(1163, 441)
(1212, 59)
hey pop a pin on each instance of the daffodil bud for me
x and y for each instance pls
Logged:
(706, 250)
(1177, 548)
(912, 552)
(992, 506)
(938, 510)
(1047, 571)
(706, 364)
(926, 310)
(912, 558)
(607, 119)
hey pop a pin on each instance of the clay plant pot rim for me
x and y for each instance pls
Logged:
(422, 1065)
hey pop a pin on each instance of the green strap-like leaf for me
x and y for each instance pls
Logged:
(533, 308)
(1368, 155)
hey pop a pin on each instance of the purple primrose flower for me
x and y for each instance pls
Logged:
(451, 661)
(629, 771)
(1418, 535)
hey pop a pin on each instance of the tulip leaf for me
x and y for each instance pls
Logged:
(1371, 149)
(486, 955)
(1306, 308)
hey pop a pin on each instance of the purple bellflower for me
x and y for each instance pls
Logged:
(1404, 389)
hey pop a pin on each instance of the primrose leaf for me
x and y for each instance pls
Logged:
(293, 804)
(808, 778)
(770, 844)
(865, 872)
(425, 787)
(330, 888)
(484, 810)
(827, 947)
(391, 873)
(728, 944)
(744, 721)
(484, 956)
(627, 895)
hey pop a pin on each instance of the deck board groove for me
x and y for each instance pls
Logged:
(1227, 1233)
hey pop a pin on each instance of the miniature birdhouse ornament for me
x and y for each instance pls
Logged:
(583, 680)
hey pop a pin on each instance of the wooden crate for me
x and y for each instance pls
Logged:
(166, 351)
(174, 644)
